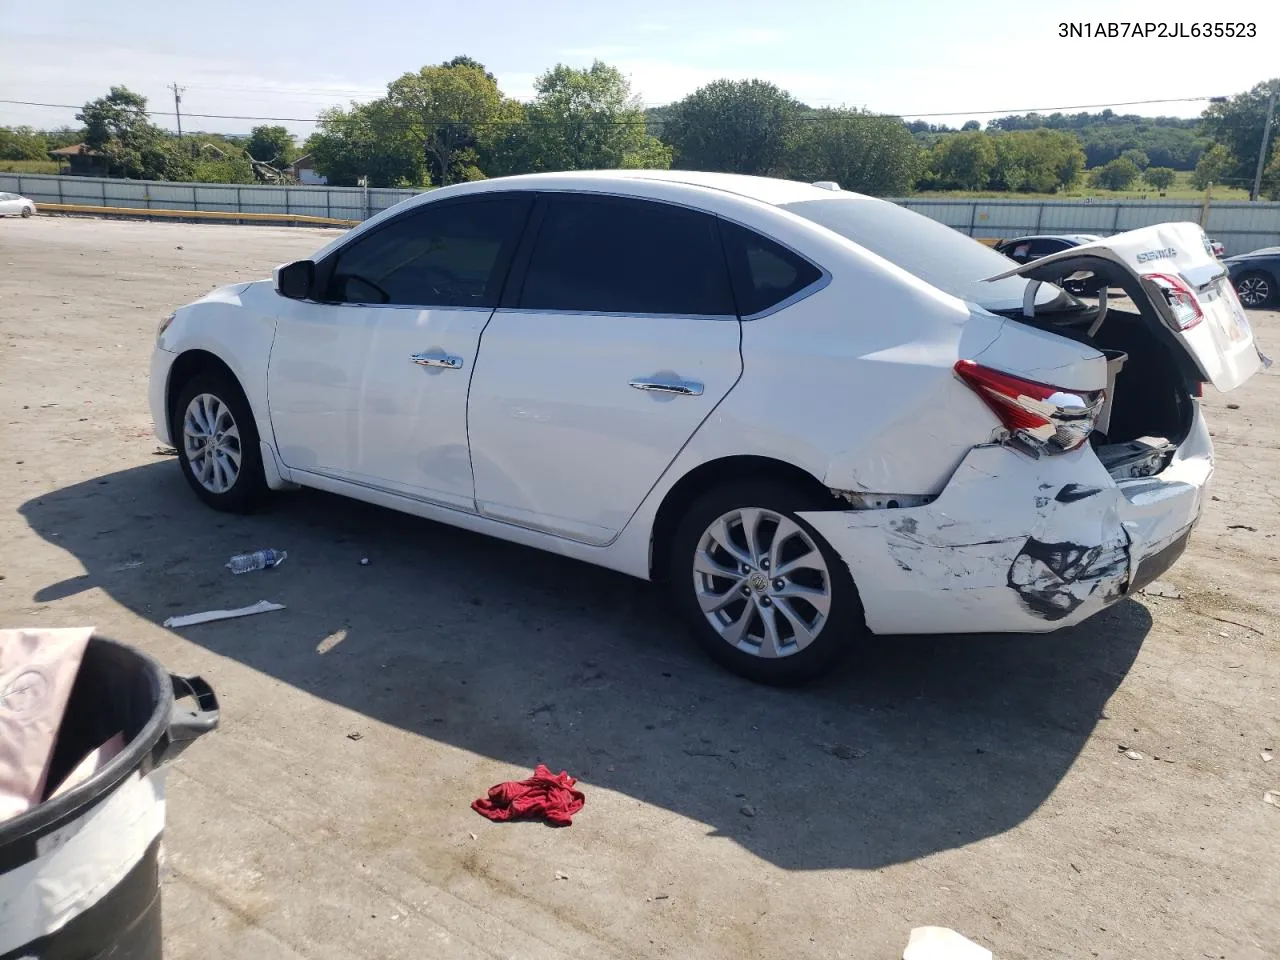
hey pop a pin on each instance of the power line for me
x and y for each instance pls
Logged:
(606, 121)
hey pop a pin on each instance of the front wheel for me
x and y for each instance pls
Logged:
(217, 443)
(763, 592)
(26, 212)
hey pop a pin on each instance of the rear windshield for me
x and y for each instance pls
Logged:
(934, 252)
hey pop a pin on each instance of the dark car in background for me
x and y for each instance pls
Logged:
(1256, 277)
(1026, 249)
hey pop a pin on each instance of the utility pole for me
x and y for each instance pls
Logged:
(1262, 151)
(177, 104)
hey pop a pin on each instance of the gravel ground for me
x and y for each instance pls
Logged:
(979, 783)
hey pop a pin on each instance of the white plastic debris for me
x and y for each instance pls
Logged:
(1133, 755)
(939, 943)
(262, 606)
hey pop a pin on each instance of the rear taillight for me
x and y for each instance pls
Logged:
(1042, 418)
(1182, 301)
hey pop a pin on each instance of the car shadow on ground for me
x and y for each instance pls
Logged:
(916, 746)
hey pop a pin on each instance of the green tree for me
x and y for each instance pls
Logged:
(1119, 174)
(1159, 177)
(964, 161)
(858, 150)
(588, 119)
(743, 126)
(273, 145)
(366, 141)
(1237, 125)
(117, 126)
(464, 61)
(1271, 179)
(442, 109)
(1137, 157)
(970, 125)
(22, 143)
(1037, 161)
(1214, 167)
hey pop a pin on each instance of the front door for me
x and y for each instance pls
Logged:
(370, 386)
(619, 339)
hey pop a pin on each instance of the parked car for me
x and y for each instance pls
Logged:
(1256, 276)
(1026, 249)
(12, 205)
(816, 416)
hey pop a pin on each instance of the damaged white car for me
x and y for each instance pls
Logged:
(817, 416)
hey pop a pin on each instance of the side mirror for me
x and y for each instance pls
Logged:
(295, 280)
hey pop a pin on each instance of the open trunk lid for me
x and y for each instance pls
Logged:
(1167, 272)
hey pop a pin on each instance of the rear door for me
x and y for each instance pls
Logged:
(1167, 271)
(617, 336)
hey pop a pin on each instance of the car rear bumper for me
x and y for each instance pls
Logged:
(157, 388)
(1014, 544)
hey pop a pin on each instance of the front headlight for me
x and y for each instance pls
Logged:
(164, 325)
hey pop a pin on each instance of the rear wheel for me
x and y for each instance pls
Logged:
(763, 592)
(217, 443)
(26, 212)
(1255, 289)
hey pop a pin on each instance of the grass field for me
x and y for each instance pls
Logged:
(1181, 190)
(28, 166)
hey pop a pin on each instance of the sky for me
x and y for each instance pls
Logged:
(973, 59)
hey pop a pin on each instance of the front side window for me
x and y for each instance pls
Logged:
(615, 255)
(450, 255)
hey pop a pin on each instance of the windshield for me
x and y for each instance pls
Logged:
(934, 252)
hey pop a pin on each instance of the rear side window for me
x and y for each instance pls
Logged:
(450, 255)
(614, 255)
(764, 273)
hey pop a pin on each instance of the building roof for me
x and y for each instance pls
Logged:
(74, 150)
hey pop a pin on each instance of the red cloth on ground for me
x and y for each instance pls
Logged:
(545, 794)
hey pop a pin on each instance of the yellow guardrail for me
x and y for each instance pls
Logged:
(192, 214)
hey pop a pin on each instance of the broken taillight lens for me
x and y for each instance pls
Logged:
(1040, 417)
(1182, 301)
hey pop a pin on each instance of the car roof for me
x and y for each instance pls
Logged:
(770, 190)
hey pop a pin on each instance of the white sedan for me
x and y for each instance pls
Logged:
(12, 205)
(817, 416)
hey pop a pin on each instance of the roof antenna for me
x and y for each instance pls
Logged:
(826, 184)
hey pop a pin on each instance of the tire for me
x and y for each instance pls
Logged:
(26, 212)
(214, 399)
(1256, 290)
(697, 548)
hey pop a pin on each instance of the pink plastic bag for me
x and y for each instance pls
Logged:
(37, 671)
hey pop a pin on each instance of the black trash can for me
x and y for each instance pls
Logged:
(79, 874)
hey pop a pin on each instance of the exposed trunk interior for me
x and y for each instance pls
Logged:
(1151, 409)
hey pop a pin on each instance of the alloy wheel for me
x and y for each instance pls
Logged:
(1254, 291)
(211, 441)
(762, 582)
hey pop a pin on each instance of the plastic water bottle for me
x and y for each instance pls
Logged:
(258, 560)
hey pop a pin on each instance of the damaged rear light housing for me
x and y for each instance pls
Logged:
(1040, 417)
(1181, 299)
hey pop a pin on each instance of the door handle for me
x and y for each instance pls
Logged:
(447, 361)
(683, 388)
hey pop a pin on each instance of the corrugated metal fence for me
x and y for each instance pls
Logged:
(343, 203)
(1240, 225)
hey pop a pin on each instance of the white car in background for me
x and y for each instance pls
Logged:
(815, 415)
(12, 205)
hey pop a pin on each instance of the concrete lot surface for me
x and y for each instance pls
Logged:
(979, 783)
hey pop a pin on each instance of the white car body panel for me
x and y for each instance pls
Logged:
(560, 441)
(348, 401)
(539, 439)
(1222, 344)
